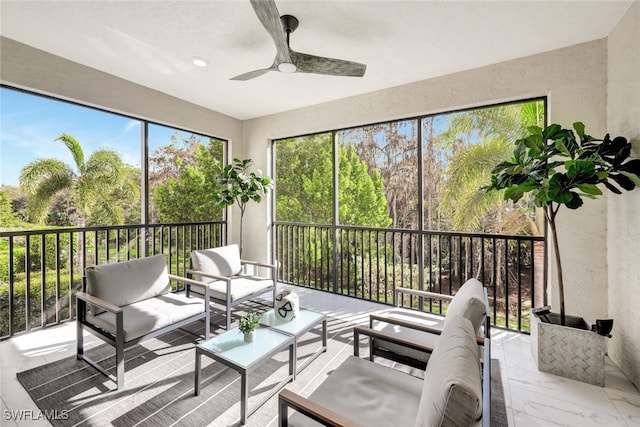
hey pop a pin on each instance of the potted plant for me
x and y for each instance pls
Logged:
(248, 324)
(558, 167)
(237, 185)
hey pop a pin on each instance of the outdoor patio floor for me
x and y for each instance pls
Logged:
(532, 398)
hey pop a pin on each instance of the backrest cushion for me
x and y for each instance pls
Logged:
(452, 389)
(124, 283)
(469, 302)
(222, 261)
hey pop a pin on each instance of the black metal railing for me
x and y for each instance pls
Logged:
(41, 270)
(369, 263)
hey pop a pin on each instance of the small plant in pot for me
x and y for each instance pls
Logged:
(248, 324)
(559, 167)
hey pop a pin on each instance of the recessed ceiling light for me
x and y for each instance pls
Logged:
(199, 62)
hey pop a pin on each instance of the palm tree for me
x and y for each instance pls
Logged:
(89, 185)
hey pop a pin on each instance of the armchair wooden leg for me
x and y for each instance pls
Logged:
(119, 351)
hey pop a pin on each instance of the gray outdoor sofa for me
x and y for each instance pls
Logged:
(470, 301)
(128, 302)
(455, 390)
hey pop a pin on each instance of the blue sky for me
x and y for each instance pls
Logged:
(30, 124)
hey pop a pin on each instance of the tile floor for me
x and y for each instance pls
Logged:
(532, 398)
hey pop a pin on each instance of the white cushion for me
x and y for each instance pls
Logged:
(146, 316)
(426, 319)
(469, 302)
(452, 390)
(241, 286)
(221, 261)
(128, 282)
(368, 393)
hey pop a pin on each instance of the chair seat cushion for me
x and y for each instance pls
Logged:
(366, 392)
(427, 339)
(241, 286)
(150, 315)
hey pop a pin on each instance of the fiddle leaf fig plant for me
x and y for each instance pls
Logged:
(237, 185)
(559, 167)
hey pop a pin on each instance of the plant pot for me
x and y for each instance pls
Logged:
(249, 337)
(571, 351)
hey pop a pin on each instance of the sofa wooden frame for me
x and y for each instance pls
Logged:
(117, 340)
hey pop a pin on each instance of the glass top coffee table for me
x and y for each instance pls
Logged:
(230, 349)
(304, 321)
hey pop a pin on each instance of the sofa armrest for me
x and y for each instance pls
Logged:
(191, 282)
(424, 294)
(288, 399)
(372, 333)
(99, 302)
(204, 273)
(256, 263)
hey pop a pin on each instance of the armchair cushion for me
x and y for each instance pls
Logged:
(241, 286)
(146, 316)
(371, 394)
(221, 261)
(452, 389)
(469, 302)
(128, 282)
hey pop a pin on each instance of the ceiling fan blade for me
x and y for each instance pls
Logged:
(270, 17)
(252, 74)
(306, 63)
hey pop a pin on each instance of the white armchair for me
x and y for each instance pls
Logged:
(222, 270)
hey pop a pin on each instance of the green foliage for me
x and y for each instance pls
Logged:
(237, 185)
(361, 198)
(7, 218)
(249, 322)
(188, 196)
(559, 168)
(91, 185)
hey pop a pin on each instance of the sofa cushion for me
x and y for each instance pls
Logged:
(369, 393)
(128, 282)
(221, 261)
(149, 315)
(469, 302)
(452, 389)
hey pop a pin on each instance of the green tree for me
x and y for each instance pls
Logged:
(90, 183)
(361, 197)
(484, 138)
(182, 177)
(7, 218)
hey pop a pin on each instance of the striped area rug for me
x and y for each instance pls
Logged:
(159, 383)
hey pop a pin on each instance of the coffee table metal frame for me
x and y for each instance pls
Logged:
(230, 349)
(298, 326)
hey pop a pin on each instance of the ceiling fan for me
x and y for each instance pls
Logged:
(288, 60)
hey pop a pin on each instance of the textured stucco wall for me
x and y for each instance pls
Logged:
(623, 116)
(573, 78)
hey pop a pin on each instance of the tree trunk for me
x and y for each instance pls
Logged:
(551, 217)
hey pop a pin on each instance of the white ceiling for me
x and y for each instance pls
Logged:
(152, 42)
